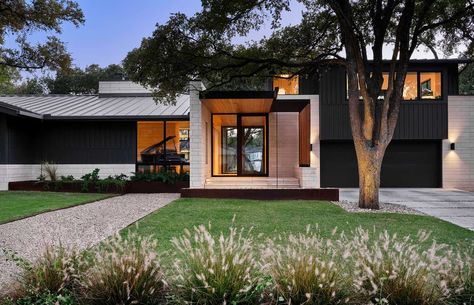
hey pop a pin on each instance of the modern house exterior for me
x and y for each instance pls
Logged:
(295, 134)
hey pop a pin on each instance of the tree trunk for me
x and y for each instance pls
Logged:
(370, 165)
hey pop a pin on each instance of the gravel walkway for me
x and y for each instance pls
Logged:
(79, 227)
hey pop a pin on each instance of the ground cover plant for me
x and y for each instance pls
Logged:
(16, 205)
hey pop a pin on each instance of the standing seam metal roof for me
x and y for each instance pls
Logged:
(95, 106)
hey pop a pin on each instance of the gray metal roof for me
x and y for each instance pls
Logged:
(95, 107)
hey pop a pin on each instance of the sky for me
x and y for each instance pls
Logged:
(115, 27)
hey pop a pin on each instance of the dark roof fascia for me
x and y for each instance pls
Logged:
(17, 111)
(118, 118)
(237, 95)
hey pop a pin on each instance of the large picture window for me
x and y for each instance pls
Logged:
(430, 85)
(163, 146)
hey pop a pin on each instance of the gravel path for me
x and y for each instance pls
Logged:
(79, 227)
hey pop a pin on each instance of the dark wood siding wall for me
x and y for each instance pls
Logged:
(23, 140)
(90, 142)
(3, 139)
(417, 120)
(84, 142)
(309, 84)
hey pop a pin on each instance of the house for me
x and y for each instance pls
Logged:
(296, 137)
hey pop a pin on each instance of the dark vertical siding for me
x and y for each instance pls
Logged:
(309, 84)
(24, 141)
(90, 142)
(3, 139)
(417, 119)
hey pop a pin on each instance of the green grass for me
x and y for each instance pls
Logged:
(274, 217)
(17, 205)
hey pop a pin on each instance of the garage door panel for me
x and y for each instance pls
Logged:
(406, 164)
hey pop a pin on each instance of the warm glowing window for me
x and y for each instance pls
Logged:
(286, 84)
(430, 85)
(410, 89)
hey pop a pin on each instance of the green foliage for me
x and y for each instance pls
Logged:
(164, 177)
(115, 184)
(44, 298)
(90, 179)
(466, 80)
(78, 81)
(20, 18)
(203, 46)
(68, 178)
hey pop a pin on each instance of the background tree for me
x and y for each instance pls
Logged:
(78, 81)
(343, 32)
(11, 82)
(18, 18)
(466, 80)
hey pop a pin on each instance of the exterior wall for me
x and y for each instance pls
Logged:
(458, 165)
(24, 172)
(111, 87)
(200, 120)
(283, 144)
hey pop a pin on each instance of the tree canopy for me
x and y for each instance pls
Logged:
(201, 46)
(19, 18)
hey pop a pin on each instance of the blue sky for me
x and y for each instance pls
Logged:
(114, 27)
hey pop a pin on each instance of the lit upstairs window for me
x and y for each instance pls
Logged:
(410, 88)
(286, 84)
(430, 85)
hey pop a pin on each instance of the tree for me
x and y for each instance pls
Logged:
(466, 80)
(11, 82)
(18, 18)
(78, 81)
(337, 32)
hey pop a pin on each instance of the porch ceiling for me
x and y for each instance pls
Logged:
(238, 101)
(238, 105)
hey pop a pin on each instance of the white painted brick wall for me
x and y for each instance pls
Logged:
(314, 138)
(24, 172)
(458, 165)
(198, 116)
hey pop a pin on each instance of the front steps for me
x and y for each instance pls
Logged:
(252, 183)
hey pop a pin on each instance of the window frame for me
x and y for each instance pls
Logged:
(418, 78)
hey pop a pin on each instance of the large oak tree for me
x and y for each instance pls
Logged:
(353, 34)
(20, 18)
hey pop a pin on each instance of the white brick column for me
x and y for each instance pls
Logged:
(458, 164)
(314, 139)
(198, 116)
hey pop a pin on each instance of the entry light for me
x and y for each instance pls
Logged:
(452, 146)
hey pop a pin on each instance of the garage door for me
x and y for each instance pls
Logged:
(406, 164)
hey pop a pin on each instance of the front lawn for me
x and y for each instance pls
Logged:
(17, 205)
(275, 217)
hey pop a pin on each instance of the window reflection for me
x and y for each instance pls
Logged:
(410, 89)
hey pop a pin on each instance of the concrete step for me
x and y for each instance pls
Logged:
(251, 183)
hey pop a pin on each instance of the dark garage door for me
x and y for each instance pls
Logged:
(406, 164)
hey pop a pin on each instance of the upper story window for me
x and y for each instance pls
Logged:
(430, 85)
(286, 84)
(418, 86)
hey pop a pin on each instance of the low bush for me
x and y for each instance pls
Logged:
(114, 184)
(90, 179)
(308, 269)
(124, 271)
(215, 271)
(164, 177)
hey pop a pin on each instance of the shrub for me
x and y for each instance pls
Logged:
(124, 271)
(69, 178)
(51, 170)
(43, 298)
(164, 177)
(115, 184)
(53, 272)
(215, 271)
(308, 269)
(400, 271)
(90, 179)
